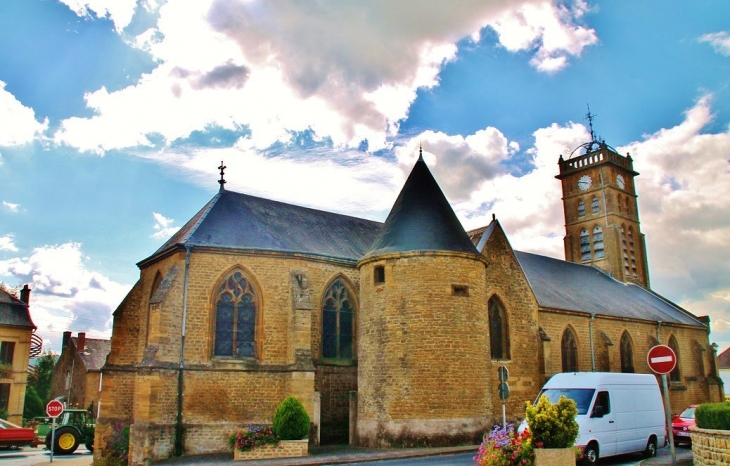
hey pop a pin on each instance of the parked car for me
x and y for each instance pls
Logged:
(16, 436)
(681, 424)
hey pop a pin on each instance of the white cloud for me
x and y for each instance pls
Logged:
(720, 41)
(10, 206)
(344, 71)
(163, 226)
(66, 295)
(7, 243)
(547, 29)
(17, 121)
(120, 12)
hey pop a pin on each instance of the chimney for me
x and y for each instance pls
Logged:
(66, 339)
(25, 294)
(81, 342)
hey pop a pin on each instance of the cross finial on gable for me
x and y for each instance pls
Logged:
(420, 151)
(222, 181)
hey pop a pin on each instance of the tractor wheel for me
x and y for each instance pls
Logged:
(66, 442)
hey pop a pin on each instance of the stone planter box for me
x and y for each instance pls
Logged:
(710, 447)
(285, 449)
(555, 456)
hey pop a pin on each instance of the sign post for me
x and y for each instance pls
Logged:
(503, 392)
(662, 360)
(54, 408)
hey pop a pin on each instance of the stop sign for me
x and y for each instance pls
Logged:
(54, 408)
(661, 359)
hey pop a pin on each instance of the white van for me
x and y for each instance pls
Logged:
(617, 413)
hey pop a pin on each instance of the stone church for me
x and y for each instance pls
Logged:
(391, 334)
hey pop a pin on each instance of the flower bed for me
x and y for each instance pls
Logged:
(284, 449)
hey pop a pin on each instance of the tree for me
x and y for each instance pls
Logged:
(33, 406)
(40, 378)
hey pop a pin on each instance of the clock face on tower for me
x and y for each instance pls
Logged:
(584, 182)
(620, 182)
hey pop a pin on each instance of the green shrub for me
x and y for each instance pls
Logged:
(713, 416)
(553, 425)
(291, 421)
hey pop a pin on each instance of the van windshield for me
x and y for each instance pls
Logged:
(581, 396)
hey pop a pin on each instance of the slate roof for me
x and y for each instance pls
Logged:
(558, 284)
(239, 221)
(421, 219)
(95, 352)
(723, 359)
(14, 312)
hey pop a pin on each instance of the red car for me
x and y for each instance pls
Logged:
(681, 424)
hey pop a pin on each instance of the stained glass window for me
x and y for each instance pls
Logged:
(498, 330)
(627, 353)
(674, 375)
(338, 322)
(235, 323)
(569, 350)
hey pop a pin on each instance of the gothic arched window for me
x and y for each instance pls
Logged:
(594, 205)
(235, 318)
(598, 250)
(338, 322)
(498, 330)
(569, 351)
(674, 375)
(581, 208)
(627, 353)
(155, 284)
(585, 245)
(632, 250)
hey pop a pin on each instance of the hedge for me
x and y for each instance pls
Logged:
(713, 416)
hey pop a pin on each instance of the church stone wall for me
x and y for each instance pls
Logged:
(507, 282)
(690, 389)
(423, 352)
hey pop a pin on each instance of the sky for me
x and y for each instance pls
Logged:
(115, 115)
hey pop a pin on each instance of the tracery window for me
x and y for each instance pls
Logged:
(594, 205)
(569, 351)
(498, 330)
(627, 353)
(338, 322)
(235, 318)
(581, 208)
(585, 245)
(598, 251)
(674, 375)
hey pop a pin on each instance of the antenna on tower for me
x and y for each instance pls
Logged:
(590, 116)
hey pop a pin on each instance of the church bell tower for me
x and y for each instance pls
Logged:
(601, 211)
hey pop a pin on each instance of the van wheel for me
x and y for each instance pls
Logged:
(650, 451)
(590, 455)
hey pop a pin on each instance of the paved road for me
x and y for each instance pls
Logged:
(27, 456)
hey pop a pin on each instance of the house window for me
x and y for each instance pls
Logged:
(4, 395)
(674, 375)
(379, 274)
(7, 350)
(585, 245)
(581, 208)
(569, 351)
(598, 251)
(338, 322)
(594, 205)
(627, 353)
(498, 330)
(235, 318)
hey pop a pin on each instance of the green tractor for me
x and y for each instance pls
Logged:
(73, 427)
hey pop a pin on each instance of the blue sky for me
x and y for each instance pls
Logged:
(114, 116)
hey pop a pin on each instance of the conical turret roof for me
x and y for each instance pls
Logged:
(421, 219)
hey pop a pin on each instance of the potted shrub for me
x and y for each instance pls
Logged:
(287, 437)
(554, 430)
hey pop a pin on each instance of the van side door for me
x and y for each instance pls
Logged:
(603, 424)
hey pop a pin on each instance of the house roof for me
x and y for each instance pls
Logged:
(723, 359)
(421, 219)
(14, 312)
(95, 352)
(558, 284)
(238, 221)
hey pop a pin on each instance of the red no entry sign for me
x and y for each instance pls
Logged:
(54, 408)
(661, 359)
